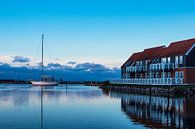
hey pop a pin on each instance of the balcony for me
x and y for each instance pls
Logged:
(133, 69)
(126, 76)
(150, 81)
(162, 66)
(142, 68)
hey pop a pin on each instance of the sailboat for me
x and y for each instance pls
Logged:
(45, 80)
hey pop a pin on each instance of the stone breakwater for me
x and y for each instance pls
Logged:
(152, 90)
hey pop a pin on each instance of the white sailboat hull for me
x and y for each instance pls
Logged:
(42, 83)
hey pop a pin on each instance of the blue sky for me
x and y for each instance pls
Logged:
(106, 32)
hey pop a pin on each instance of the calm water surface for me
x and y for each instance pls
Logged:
(83, 107)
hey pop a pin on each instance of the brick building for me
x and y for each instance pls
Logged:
(172, 65)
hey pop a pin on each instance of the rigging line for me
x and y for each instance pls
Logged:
(47, 49)
(48, 53)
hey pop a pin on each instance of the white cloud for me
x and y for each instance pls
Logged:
(107, 61)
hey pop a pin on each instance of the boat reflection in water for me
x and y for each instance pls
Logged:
(158, 112)
(84, 107)
(34, 107)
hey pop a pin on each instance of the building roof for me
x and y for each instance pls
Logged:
(178, 48)
(174, 49)
(133, 58)
(136, 56)
(152, 53)
(147, 54)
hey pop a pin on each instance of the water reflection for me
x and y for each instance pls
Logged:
(57, 92)
(75, 106)
(82, 107)
(24, 106)
(158, 112)
(27, 95)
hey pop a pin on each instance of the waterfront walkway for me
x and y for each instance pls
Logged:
(149, 81)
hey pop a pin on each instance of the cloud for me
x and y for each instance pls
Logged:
(81, 72)
(72, 62)
(56, 66)
(20, 59)
(92, 66)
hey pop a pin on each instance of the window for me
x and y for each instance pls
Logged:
(140, 63)
(148, 75)
(180, 59)
(166, 74)
(176, 75)
(141, 75)
(151, 75)
(181, 74)
(169, 60)
(176, 61)
(127, 69)
(169, 74)
(162, 75)
(157, 75)
(137, 63)
(163, 60)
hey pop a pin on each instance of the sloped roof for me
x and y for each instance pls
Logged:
(174, 49)
(133, 57)
(178, 48)
(136, 56)
(152, 53)
(147, 54)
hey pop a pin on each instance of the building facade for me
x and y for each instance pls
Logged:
(172, 65)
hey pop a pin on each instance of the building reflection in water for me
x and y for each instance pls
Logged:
(149, 111)
(158, 112)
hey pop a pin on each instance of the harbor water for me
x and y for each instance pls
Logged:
(85, 107)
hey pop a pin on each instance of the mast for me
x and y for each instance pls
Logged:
(42, 56)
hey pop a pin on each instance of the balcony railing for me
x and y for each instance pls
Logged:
(126, 76)
(150, 81)
(136, 68)
(152, 67)
(161, 66)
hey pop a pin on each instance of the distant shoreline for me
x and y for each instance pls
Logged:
(87, 83)
(14, 82)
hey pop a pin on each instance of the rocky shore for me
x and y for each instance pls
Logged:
(153, 90)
